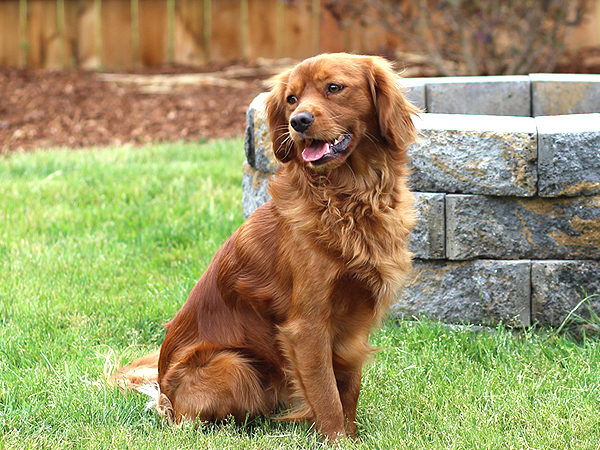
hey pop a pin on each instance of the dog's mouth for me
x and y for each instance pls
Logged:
(319, 152)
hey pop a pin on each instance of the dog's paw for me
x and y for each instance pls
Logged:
(164, 407)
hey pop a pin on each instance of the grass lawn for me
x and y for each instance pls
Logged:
(98, 248)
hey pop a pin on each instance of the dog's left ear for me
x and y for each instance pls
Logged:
(394, 112)
(278, 124)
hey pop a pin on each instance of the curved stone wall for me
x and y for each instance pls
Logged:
(507, 178)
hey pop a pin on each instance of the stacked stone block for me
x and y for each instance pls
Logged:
(508, 202)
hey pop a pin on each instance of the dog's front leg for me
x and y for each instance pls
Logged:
(310, 351)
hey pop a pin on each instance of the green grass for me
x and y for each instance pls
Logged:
(98, 248)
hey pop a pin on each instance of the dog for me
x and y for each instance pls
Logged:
(279, 323)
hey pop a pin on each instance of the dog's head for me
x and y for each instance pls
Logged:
(326, 107)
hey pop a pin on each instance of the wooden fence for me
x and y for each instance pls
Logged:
(129, 33)
(125, 34)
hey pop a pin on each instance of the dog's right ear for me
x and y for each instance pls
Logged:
(278, 123)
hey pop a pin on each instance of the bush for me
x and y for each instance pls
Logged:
(473, 37)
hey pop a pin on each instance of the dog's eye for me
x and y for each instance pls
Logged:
(291, 99)
(333, 88)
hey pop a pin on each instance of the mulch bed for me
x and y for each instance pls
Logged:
(43, 109)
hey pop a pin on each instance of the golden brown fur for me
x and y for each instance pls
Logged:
(282, 316)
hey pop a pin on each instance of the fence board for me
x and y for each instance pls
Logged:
(71, 33)
(125, 33)
(332, 37)
(154, 32)
(297, 38)
(189, 32)
(171, 30)
(134, 5)
(226, 36)
(245, 27)
(117, 47)
(43, 40)
(10, 48)
(262, 22)
(87, 52)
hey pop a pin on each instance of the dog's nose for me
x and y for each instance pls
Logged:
(301, 121)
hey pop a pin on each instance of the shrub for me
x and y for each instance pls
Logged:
(473, 37)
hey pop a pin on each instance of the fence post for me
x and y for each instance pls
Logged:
(98, 30)
(280, 14)
(60, 27)
(245, 34)
(135, 32)
(207, 29)
(23, 32)
(597, 22)
(171, 31)
(316, 26)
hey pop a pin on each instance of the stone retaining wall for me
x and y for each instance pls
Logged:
(507, 180)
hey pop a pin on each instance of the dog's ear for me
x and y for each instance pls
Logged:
(278, 124)
(394, 112)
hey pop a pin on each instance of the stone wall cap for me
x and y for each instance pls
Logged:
(465, 79)
(412, 82)
(565, 77)
(568, 123)
(258, 101)
(476, 123)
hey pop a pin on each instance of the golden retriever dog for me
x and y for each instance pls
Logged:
(279, 323)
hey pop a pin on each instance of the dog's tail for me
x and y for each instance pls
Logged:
(141, 372)
(142, 376)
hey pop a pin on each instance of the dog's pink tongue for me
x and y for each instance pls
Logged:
(315, 151)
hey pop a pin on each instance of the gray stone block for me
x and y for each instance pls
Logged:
(494, 95)
(519, 228)
(428, 239)
(495, 156)
(559, 286)
(569, 154)
(478, 292)
(414, 91)
(254, 189)
(249, 144)
(258, 145)
(556, 94)
(489, 155)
